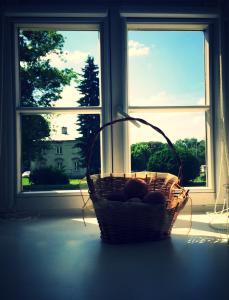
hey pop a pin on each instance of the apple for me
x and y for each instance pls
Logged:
(135, 199)
(117, 196)
(155, 198)
(135, 188)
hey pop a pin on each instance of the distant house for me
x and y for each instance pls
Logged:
(203, 168)
(62, 153)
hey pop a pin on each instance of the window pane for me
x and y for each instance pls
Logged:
(166, 68)
(53, 159)
(59, 68)
(149, 150)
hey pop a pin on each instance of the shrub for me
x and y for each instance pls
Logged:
(48, 175)
(140, 154)
(164, 161)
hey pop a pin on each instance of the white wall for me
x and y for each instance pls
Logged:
(69, 155)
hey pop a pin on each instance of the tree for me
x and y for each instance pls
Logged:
(196, 147)
(140, 154)
(165, 161)
(41, 84)
(89, 124)
(34, 129)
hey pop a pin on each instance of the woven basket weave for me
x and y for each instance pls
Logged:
(127, 222)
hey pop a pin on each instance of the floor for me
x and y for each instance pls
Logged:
(61, 258)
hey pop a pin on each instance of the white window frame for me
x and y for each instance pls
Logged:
(207, 108)
(115, 151)
(97, 24)
(167, 21)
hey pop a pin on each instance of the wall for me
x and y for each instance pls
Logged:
(68, 156)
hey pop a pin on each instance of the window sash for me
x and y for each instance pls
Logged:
(151, 24)
(97, 22)
(112, 91)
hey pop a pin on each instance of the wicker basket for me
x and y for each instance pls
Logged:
(127, 222)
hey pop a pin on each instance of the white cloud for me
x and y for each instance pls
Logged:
(163, 98)
(159, 99)
(201, 101)
(176, 126)
(137, 49)
(23, 64)
(69, 59)
(69, 96)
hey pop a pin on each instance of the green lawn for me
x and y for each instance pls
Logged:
(74, 184)
(199, 181)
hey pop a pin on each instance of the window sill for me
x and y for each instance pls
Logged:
(73, 199)
(56, 193)
(193, 190)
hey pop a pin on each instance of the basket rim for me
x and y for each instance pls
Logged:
(168, 179)
(139, 174)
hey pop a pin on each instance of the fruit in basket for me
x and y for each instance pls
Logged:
(117, 196)
(135, 199)
(135, 188)
(155, 198)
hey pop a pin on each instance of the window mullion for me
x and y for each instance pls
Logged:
(118, 36)
(105, 92)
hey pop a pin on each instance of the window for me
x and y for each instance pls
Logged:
(153, 68)
(58, 149)
(76, 165)
(167, 86)
(59, 164)
(59, 102)
(64, 130)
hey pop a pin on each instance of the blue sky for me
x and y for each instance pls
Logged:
(164, 68)
(173, 65)
(85, 41)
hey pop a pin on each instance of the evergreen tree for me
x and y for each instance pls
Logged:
(89, 124)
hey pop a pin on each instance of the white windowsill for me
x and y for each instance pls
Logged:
(56, 193)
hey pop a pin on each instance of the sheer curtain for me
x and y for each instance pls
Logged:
(222, 157)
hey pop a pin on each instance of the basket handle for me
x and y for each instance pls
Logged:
(90, 150)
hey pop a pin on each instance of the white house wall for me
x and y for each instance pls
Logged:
(68, 156)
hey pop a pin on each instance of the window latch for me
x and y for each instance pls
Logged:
(124, 115)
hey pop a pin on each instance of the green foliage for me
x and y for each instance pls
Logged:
(196, 147)
(140, 154)
(156, 156)
(89, 124)
(48, 175)
(32, 138)
(164, 161)
(41, 84)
